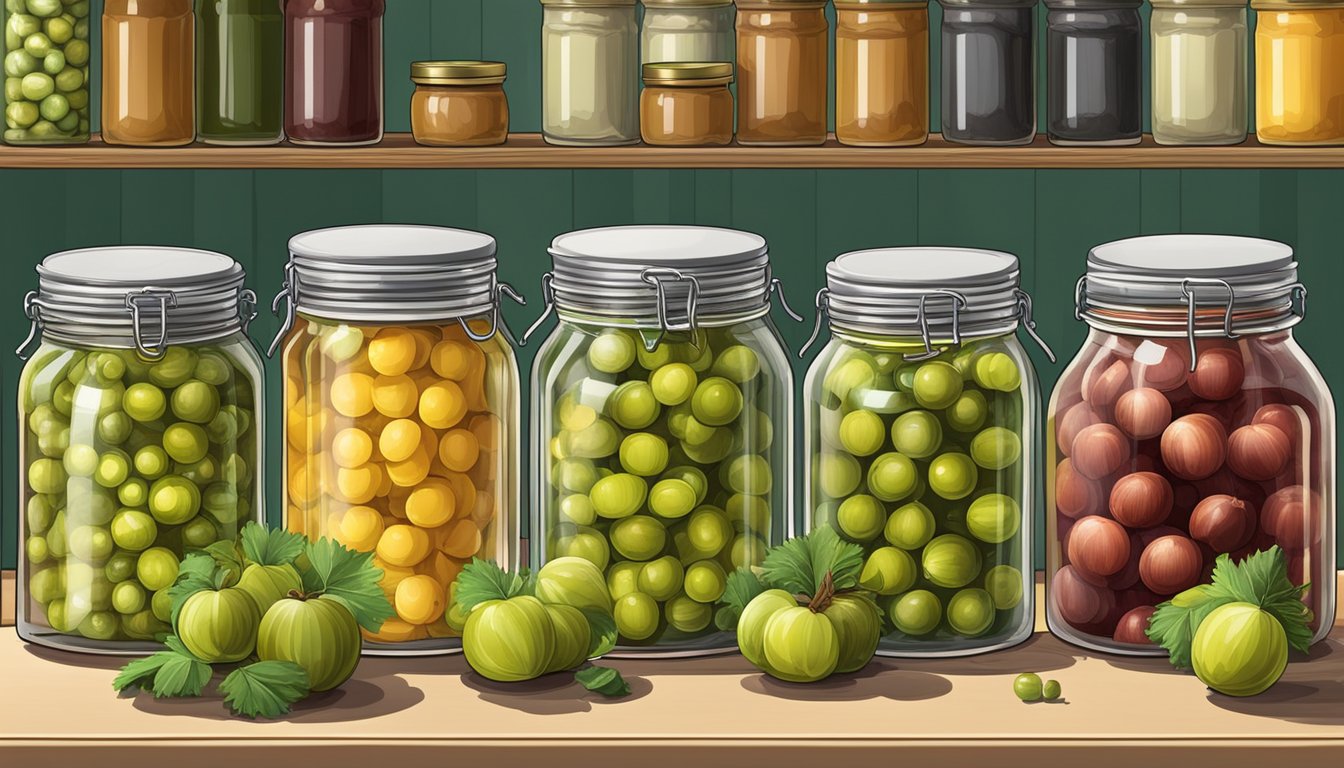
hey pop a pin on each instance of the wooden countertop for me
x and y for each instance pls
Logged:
(59, 710)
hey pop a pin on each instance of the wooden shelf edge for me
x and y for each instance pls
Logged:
(529, 151)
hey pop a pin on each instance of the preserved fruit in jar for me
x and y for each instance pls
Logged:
(46, 54)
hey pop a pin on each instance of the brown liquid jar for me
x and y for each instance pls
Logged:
(687, 104)
(882, 72)
(334, 71)
(459, 103)
(781, 72)
(149, 73)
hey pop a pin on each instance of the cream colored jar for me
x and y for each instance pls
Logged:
(1199, 72)
(590, 72)
(687, 30)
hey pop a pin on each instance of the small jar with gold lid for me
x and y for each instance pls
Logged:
(459, 103)
(687, 104)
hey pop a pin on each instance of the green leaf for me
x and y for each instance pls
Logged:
(602, 631)
(1173, 624)
(482, 581)
(799, 566)
(350, 578)
(197, 573)
(168, 674)
(1262, 580)
(229, 556)
(789, 567)
(743, 587)
(271, 546)
(265, 689)
(140, 673)
(603, 680)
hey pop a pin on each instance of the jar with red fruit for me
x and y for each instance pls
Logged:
(1191, 425)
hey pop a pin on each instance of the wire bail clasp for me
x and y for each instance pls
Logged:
(1028, 320)
(548, 307)
(660, 278)
(823, 308)
(1192, 302)
(498, 291)
(958, 304)
(247, 307)
(289, 291)
(163, 301)
(32, 309)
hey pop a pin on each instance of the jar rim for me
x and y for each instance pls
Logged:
(464, 72)
(688, 73)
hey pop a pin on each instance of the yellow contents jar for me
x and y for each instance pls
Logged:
(1299, 61)
(687, 104)
(459, 103)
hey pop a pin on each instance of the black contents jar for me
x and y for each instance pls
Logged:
(1094, 72)
(989, 72)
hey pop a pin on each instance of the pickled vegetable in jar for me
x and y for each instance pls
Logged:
(662, 424)
(139, 438)
(920, 440)
(401, 414)
(149, 73)
(1190, 426)
(46, 55)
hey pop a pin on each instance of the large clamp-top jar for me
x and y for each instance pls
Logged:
(662, 418)
(921, 437)
(1189, 426)
(138, 438)
(401, 414)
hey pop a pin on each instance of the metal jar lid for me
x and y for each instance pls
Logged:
(941, 296)
(458, 72)
(388, 273)
(671, 278)
(1191, 285)
(146, 298)
(688, 73)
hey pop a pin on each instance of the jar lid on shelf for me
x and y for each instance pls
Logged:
(589, 3)
(686, 3)
(458, 72)
(688, 73)
(1196, 285)
(139, 297)
(1199, 3)
(1295, 5)
(972, 4)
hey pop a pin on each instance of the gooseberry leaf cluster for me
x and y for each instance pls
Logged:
(482, 581)
(804, 566)
(1261, 580)
(742, 587)
(350, 578)
(266, 689)
(265, 546)
(170, 673)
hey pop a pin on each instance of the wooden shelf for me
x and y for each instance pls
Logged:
(529, 151)
(59, 710)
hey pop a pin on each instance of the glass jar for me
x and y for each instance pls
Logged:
(139, 438)
(46, 74)
(459, 103)
(687, 30)
(1094, 72)
(240, 53)
(401, 414)
(687, 104)
(662, 410)
(1299, 65)
(781, 72)
(590, 73)
(149, 77)
(334, 72)
(921, 437)
(1190, 425)
(989, 72)
(882, 72)
(1199, 72)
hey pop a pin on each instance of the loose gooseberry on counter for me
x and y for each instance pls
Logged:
(1219, 374)
(858, 628)
(994, 518)
(1141, 499)
(1194, 446)
(1028, 687)
(996, 448)
(1171, 564)
(1143, 413)
(800, 645)
(910, 527)
(1224, 522)
(1098, 546)
(862, 433)
(1259, 452)
(1100, 450)
(952, 476)
(937, 385)
(916, 613)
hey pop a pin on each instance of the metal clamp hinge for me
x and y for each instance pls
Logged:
(660, 278)
(32, 309)
(1192, 303)
(497, 321)
(162, 301)
(547, 304)
(823, 308)
(958, 304)
(1028, 320)
(288, 294)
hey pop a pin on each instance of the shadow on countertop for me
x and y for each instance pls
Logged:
(881, 679)
(554, 694)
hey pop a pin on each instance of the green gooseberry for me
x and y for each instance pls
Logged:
(115, 428)
(203, 472)
(968, 413)
(587, 543)
(861, 517)
(953, 476)
(951, 561)
(128, 597)
(114, 467)
(161, 604)
(40, 513)
(937, 385)
(1052, 690)
(636, 616)
(970, 612)
(705, 581)
(748, 513)
(81, 461)
(749, 474)
(996, 448)
(633, 405)
(674, 383)
(36, 551)
(910, 527)
(712, 451)
(738, 364)
(574, 475)
(120, 567)
(672, 498)
(1028, 687)
(577, 508)
(917, 434)
(185, 443)
(644, 454)
(47, 476)
(90, 503)
(195, 401)
(708, 530)
(1004, 585)
(837, 474)
(46, 584)
(199, 533)
(653, 359)
(997, 371)
(862, 433)
(144, 402)
(994, 518)
(612, 352)
(695, 432)
(100, 625)
(174, 369)
(639, 537)
(133, 530)
(746, 551)
(716, 402)
(916, 613)
(858, 371)
(595, 441)
(888, 571)
(151, 462)
(623, 578)
(213, 369)
(618, 496)
(684, 614)
(662, 578)
(893, 477)
(91, 544)
(174, 500)
(692, 476)
(133, 493)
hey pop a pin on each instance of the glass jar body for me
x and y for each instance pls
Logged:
(687, 33)
(667, 468)
(686, 116)
(1094, 82)
(882, 75)
(240, 51)
(782, 68)
(939, 491)
(149, 73)
(590, 74)
(1299, 64)
(460, 115)
(1156, 499)
(128, 466)
(1199, 75)
(46, 76)
(334, 72)
(989, 75)
(402, 440)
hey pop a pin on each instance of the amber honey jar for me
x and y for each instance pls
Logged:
(459, 103)
(781, 72)
(687, 104)
(882, 72)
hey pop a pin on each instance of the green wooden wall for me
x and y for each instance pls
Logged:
(1048, 218)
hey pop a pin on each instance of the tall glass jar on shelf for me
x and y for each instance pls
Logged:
(882, 72)
(401, 414)
(334, 72)
(240, 60)
(46, 55)
(782, 66)
(921, 441)
(590, 72)
(1094, 72)
(1191, 425)
(1299, 72)
(1199, 71)
(149, 73)
(989, 72)
(138, 436)
(662, 420)
(687, 31)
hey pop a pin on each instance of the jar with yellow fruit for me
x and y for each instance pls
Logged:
(401, 414)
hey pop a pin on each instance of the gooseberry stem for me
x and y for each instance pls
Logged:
(295, 594)
(822, 600)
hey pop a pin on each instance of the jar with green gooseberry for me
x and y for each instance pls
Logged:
(138, 438)
(662, 424)
(46, 61)
(921, 437)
